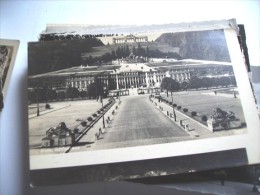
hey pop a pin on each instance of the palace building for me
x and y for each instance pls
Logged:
(115, 77)
(130, 39)
(124, 75)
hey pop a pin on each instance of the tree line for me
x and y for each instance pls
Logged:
(171, 85)
(56, 55)
(132, 53)
(48, 94)
(59, 37)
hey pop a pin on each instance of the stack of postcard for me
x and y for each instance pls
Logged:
(122, 102)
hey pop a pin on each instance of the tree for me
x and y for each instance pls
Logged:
(165, 84)
(233, 80)
(174, 85)
(195, 83)
(134, 51)
(147, 52)
(169, 84)
(107, 57)
(95, 89)
(206, 82)
(113, 53)
(225, 81)
(72, 92)
(119, 52)
(126, 51)
(184, 85)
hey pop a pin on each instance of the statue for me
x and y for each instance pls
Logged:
(223, 120)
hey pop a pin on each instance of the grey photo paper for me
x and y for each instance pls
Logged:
(108, 103)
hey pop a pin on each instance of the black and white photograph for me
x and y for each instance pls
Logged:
(96, 94)
(129, 97)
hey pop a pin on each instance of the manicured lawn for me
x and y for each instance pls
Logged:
(206, 104)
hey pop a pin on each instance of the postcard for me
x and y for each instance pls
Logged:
(8, 52)
(108, 106)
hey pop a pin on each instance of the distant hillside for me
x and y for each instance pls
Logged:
(201, 45)
(49, 56)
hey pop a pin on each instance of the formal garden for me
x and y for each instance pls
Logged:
(201, 106)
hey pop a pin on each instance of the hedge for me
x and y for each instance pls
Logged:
(185, 109)
(193, 113)
(83, 123)
(47, 106)
(204, 118)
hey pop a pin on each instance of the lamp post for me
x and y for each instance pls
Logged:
(38, 106)
(234, 93)
(103, 118)
(174, 114)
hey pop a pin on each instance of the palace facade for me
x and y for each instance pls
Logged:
(127, 75)
(130, 39)
(114, 77)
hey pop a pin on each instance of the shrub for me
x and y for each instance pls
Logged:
(178, 107)
(94, 115)
(174, 105)
(204, 118)
(193, 113)
(98, 112)
(101, 109)
(185, 110)
(83, 123)
(47, 106)
(170, 103)
(76, 130)
(90, 119)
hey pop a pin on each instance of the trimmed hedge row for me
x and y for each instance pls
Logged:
(185, 109)
(193, 113)
(83, 123)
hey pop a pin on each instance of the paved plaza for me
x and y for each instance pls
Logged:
(137, 121)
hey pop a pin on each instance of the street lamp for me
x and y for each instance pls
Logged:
(174, 114)
(37, 98)
(232, 87)
(104, 88)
